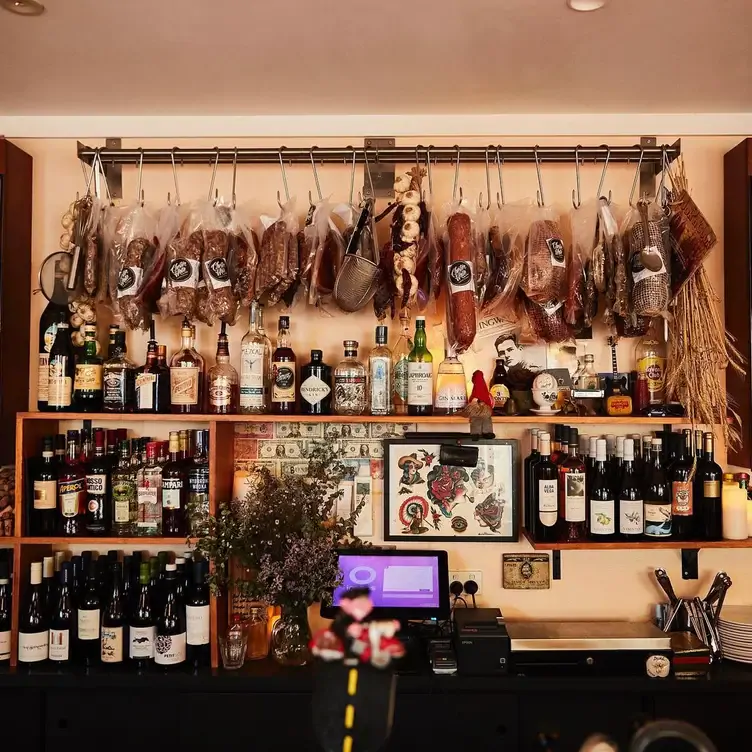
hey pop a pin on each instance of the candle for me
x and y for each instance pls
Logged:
(749, 517)
(734, 505)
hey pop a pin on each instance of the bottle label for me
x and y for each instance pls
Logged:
(96, 484)
(658, 520)
(184, 385)
(711, 489)
(574, 497)
(45, 494)
(400, 379)
(183, 272)
(129, 280)
(145, 391)
(500, 394)
(88, 623)
(654, 369)
(5, 646)
(59, 644)
(631, 517)
(59, 385)
(114, 388)
(72, 494)
(450, 395)
(88, 377)
(252, 375)
(148, 504)
(33, 646)
(43, 376)
(419, 383)
(556, 249)
(314, 389)
(169, 649)
(380, 373)
(49, 337)
(122, 493)
(220, 392)
(681, 498)
(142, 642)
(172, 491)
(548, 502)
(350, 391)
(217, 274)
(460, 275)
(197, 624)
(602, 517)
(283, 381)
(112, 645)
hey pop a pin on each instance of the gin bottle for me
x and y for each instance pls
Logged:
(451, 387)
(400, 357)
(350, 382)
(380, 374)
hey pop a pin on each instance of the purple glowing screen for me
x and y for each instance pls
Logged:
(407, 582)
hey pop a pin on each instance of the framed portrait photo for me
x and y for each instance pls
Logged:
(427, 500)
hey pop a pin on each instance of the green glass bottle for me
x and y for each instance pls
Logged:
(420, 373)
(87, 385)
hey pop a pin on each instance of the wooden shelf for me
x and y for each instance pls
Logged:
(79, 540)
(433, 419)
(625, 546)
(7, 541)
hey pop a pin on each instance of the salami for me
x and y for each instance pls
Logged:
(461, 281)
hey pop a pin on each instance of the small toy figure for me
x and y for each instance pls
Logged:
(480, 408)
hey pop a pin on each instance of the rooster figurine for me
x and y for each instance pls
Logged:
(480, 408)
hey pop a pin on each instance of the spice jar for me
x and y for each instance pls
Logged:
(257, 630)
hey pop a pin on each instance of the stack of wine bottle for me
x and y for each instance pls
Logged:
(101, 611)
(627, 488)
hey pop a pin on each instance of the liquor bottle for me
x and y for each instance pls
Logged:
(111, 445)
(5, 613)
(112, 333)
(588, 379)
(62, 618)
(563, 452)
(682, 492)
(142, 624)
(89, 617)
(71, 489)
(283, 371)
(572, 493)
(222, 380)
(530, 461)
(601, 499)
(707, 494)
(87, 384)
(380, 375)
(198, 482)
(124, 500)
(174, 491)
(187, 374)
(44, 511)
(119, 377)
(420, 373)
(147, 382)
(500, 387)
(149, 494)
(698, 445)
(350, 396)
(55, 312)
(49, 586)
(113, 620)
(198, 652)
(401, 357)
(650, 354)
(98, 496)
(60, 447)
(657, 496)
(451, 387)
(170, 648)
(255, 365)
(33, 627)
(316, 386)
(630, 506)
(163, 371)
(61, 371)
(544, 494)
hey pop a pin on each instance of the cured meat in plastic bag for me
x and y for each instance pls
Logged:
(544, 277)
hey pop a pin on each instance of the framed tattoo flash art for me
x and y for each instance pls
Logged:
(426, 500)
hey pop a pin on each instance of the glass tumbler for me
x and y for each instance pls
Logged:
(233, 646)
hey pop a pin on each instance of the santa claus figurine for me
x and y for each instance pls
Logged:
(480, 408)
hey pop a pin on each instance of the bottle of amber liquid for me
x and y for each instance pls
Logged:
(187, 375)
(283, 371)
(223, 380)
(572, 494)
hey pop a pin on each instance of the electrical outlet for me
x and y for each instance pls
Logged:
(464, 575)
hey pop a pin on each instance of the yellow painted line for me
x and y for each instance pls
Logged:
(352, 682)
(347, 744)
(349, 716)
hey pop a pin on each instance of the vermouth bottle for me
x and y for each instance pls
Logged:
(350, 382)
(98, 491)
(187, 374)
(420, 373)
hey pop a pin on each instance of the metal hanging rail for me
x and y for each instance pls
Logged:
(651, 155)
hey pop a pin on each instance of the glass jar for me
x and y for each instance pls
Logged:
(291, 635)
(256, 627)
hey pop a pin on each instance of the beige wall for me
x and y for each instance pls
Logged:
(608, 584)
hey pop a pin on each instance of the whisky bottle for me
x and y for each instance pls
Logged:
(283, 371)
(187, 375)
(119, 377)
(420, 373)
(350, 382)
(380, 375)
(223, 380)
(400, 357)
(255, 360)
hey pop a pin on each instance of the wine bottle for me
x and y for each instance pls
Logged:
(545, 499)
(682, 507)
(142, 622)
(559, 455)
(572, 494)
(5, 613)
(44, 511)
(170, 646)
(530, 461)
(198, 652)
(707, 495)
(601, 499)
(590, 461)
(49, 586)
(617, 463)
(113, 620)
(61, 621)
(33, 634)
(657, 496)
(89, 616)
(630, 511)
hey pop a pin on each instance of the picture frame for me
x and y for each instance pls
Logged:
(425, 502)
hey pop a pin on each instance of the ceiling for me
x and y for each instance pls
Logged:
(190, 57)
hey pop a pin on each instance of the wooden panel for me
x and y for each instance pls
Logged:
(25, 554)
(644, 544)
